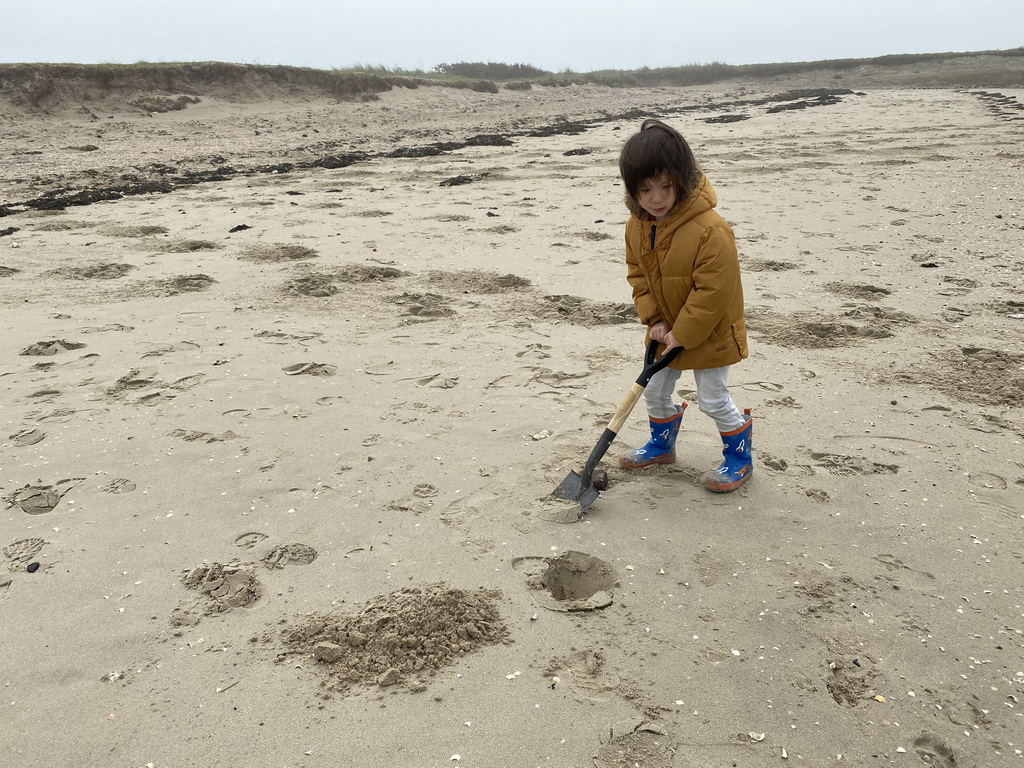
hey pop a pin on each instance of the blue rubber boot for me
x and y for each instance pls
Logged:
(661, 448)
(737, 466)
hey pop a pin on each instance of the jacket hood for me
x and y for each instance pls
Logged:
(703, 198)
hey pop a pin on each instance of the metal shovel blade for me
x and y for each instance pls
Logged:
(580, 488)
(572, 489)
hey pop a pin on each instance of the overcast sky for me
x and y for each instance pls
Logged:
(556, 35)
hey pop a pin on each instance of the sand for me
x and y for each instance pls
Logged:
(278, 442)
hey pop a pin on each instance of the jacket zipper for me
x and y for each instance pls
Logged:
(654, 230)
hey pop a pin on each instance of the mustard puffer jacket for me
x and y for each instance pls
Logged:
(685, 270)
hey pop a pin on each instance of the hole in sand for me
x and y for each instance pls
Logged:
(577, 582)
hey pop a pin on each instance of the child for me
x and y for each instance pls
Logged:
(685, 273)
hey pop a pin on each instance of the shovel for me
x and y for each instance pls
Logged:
(581, 487)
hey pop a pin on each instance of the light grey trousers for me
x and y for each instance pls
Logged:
(713, 396)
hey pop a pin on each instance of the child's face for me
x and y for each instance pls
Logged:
(657, 195)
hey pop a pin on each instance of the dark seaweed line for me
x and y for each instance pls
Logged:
(59, 199)
(62, 198)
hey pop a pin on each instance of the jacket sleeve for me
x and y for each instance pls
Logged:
(716, 278)
(646, 306)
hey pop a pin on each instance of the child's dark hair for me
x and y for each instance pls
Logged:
(658, 148)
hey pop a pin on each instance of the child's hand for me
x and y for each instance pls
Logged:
(658, 331)
(662, 332)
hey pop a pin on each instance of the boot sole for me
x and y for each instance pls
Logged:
(727, 487)
(652, 462)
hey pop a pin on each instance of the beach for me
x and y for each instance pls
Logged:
(287, 386)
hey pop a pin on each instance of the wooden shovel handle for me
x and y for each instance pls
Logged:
(626, 408)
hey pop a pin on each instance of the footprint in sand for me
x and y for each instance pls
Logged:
(40, 499)
(635, 742)
(250, 540)
(37, 501)
(958, 286)
(987, 480)
(466, 509)
(47, 348)
(330, 400)
(862, 291)
(105, 328)
(532, 567)
(409, 504)
(849, 680)
(774, 462)
(135, 379)
(287, 554)
(194, 436)
(1011, 511)
(166, 349)
(768, 265)
(85, 361)
(818, 495)
(27, 437)
(119, 485)
(445, 382)
(839, 464)
(20, 553)
(709, 568)
(310, 369)
(933, 751)
(155, 398)
(187, 382)
(438, 380)
(894, 563)
(59, 415)
(954, 314)
(783, 402)
(383, 368)
(224, 586)
(586, 675)
(45, 395)
(279, 337)
(561, 379)
(757, 386)
(534, 352)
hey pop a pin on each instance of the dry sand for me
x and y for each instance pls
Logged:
(281, 441)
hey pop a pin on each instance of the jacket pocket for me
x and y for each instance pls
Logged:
(739, 335)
